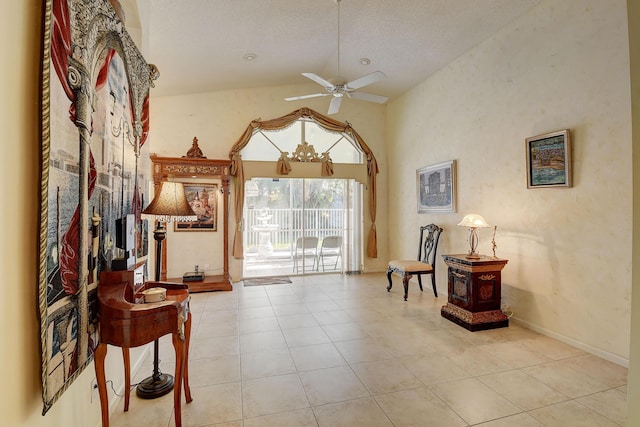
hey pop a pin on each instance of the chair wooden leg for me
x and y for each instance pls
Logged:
(433, 284)
(389, 279)
(405, 282)
(420, 281)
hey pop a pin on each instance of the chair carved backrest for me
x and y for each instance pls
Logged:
(427, 247)
(429, 237)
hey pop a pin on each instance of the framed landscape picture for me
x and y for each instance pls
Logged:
(436, 188)
(549, 160)
(203, 199)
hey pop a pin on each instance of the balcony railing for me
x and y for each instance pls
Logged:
(284, 226)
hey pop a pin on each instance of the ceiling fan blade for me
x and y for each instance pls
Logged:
(322, 82)
(313, 95)
(366, 80)
(334, 106)
(369, 97)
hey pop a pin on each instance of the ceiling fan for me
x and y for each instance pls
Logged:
(338, 88)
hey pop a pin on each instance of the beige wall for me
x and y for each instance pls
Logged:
(21, 404)
(218, 119)
(633, 394)
(564, 65)
(508, 83)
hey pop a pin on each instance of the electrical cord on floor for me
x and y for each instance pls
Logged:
(110, 382)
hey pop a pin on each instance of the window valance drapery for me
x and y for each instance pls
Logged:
(284, 167)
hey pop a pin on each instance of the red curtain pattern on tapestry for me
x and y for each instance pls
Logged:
(60, 53)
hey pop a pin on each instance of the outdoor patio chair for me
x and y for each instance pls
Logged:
(331, 246)
(306, 248)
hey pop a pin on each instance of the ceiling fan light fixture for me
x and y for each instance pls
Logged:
(340, 88)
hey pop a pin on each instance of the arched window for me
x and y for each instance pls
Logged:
(297, 144)
(267, 145)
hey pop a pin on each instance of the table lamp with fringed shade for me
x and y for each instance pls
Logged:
(169, 204)
(473, 221)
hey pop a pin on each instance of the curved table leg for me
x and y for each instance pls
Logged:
(178, 345)
(389, 271)
(98, 357)
(127, 377)
(187, 336)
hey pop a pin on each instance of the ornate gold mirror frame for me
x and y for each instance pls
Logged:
(201, 168)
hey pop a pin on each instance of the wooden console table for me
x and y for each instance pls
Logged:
(474, 292)
(210, 283)
(125, 321)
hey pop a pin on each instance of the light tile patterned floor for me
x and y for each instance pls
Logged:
(335, 350)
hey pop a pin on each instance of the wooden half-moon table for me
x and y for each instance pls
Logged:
(125, 321)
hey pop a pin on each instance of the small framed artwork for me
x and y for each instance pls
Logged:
(203, 199)
(549, 160)
(436, 185)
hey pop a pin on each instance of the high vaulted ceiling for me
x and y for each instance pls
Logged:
(199, 45)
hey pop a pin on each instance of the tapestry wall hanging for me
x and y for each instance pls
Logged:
(95, 170)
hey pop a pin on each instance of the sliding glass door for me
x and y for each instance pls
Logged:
(302, 226)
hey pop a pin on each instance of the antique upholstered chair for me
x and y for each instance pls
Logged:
(331, 246)
(425, 264)
(306, 248)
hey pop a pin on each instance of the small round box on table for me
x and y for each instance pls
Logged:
(474, 292)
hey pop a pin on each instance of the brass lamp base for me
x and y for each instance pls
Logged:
(153, 387)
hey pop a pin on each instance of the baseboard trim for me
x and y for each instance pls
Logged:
(574, 343)
(614, 358)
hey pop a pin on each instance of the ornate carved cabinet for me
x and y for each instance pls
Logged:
(474, 292)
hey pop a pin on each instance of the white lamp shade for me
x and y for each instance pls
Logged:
(474, 221)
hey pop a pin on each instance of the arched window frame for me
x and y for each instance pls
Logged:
(283, 167)
(303, 140)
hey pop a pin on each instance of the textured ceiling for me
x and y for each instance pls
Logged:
(198, 45)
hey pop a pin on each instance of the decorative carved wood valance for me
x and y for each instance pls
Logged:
(195, 151)
(306, 152)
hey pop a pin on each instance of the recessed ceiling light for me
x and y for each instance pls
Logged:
(365, 61)
(249, 56)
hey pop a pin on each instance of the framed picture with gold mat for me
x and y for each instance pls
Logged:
(203, 199)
